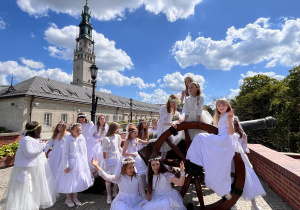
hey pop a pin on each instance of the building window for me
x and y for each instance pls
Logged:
(120, 118)
(47, 119)
(115, 118)
(64, 117)
(107, 118)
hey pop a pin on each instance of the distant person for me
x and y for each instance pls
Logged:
(153, 129)
(74, 174)
(143, 132)
(252, 188)
(31, 184)
(215, 152)
(56, 142)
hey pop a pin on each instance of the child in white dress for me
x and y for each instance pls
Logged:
(193, 109)
(31, 184)
(56, 142)
(252, 187)
(215, 152)
(131, 192)
(86, 128)
(98, 132)
(153, 130)
(111, 146)
(74, 174)
(161, 194)
(167, 112)
(143, 133)
(185, 93)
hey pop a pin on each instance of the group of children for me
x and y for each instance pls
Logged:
(88, 150)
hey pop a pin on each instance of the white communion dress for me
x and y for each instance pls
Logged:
(214, 153)
(74, 157)
(252, 187)
(140, 165)
(164, 196)
(31, 185)
(86, 129)
(131, 192)
(96, 145)
(55, 155)
(193, 107)
(111, 145)
(166, 117)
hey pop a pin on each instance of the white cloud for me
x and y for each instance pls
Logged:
(107, 9)
(118, 79)
(270, 74)
(175, 81)
(107, 56)
(105, 90)
(233, 93)
(254, 43)
(2, 23)
(22, 72)
(32, 35)
(157, 97)
(32, 64)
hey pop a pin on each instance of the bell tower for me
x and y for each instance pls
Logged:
(84, 55)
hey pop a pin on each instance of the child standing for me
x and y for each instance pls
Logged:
(131, 193)
(31, 184)
(74, 174)
(161, 193)
(86, 127)
(167, 112)
(185, 93)
(111, 146)
(215, 152)
(153, 130)
(98, 132)
(252, 187)
(143, 133)
(56, 142)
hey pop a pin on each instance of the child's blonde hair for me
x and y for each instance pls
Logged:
(197, 86)
(113, 127)
(186, 87)
(172, 98)
(222, 101)
(131, 129)
(63, 133)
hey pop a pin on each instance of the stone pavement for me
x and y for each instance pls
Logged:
(98, 201)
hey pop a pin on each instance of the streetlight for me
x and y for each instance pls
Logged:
(94, 72)
(130, 110)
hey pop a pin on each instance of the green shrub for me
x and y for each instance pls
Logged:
(9, 149)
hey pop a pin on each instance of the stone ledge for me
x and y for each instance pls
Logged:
(282, 173)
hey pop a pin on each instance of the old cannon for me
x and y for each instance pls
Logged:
(194, 172)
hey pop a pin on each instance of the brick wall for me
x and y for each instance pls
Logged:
(7, 138)
(281, 172)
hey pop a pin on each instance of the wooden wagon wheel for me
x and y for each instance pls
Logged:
(197, 178)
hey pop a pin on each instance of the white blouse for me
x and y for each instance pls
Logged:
(194, 104)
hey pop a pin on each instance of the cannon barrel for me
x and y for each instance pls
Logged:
(264, 123)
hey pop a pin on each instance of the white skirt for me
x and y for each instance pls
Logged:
(127, 201)
(77, 180)
(31, 188)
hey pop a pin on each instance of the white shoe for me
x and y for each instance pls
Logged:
(109, 199)
(70, 203)
(77, 202)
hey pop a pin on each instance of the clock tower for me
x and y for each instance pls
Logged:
(84, 55)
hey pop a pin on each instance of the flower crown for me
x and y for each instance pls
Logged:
(60, 123)
(125, 162)
(36, 127)
(173, 100)
(156, 159)
(73, 125)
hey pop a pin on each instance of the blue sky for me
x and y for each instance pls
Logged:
(144, 49)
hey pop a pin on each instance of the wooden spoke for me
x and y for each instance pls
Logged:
(176, 150)
(171, 162)
(186, 185)
(187, 138)
(199, 191)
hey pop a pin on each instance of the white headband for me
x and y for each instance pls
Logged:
(81, 115)
(156, 159)
(174, 100)
(74, 125)
(60, 123)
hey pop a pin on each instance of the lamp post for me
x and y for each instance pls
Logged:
(130, 110)
(94, 72)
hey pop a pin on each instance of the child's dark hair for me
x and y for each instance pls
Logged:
(33, 129)
(124, 167)
(82, 115)
(143, 133)
(162, 169)
(237, 128)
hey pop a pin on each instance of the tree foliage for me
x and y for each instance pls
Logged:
(262, 96)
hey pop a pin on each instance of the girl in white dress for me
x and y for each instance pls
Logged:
(215, 152)
(31, 184)
(111, 146)
(161, 194)
(98, 132)
(193, 109)
(131, 192)
(167, 112)
(185, 93)
(153, 130)
(56, 142)
(143, 133)
(252, 187)
(73, 174)
(86, 128)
